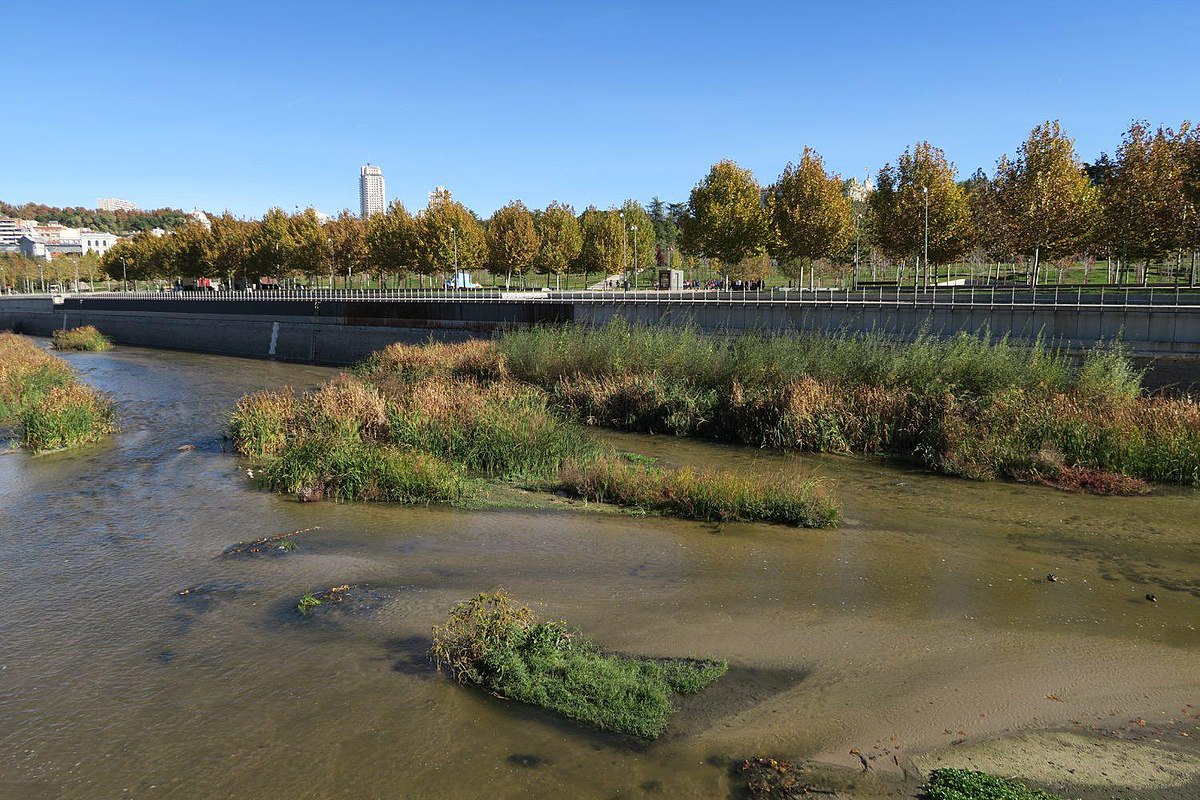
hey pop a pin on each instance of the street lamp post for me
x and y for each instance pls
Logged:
(454, 237)
(624, 263)
(635, 255)
(857, 239)
(925, 191)
(123, 274)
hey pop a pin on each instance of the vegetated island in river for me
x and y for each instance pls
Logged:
(967, 406)
(41, 394)
(491, 642)
(414, 420)
(85, 337)
(447, 424)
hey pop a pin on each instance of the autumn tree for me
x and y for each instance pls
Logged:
(448, 233)
(230, 246)
(561, 239)
(1145, 202)
(512, 240)
(811, 218)
(310, 253)
(600, 248)
(988, 226)
(898, 208)
(1047, 203)
(639, 243)
(187, 252)
(271, 244)
(725, 216)
(348, 248)
(392, 240)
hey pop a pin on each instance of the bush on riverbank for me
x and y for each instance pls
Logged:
(41, 393)
(966, 406)
(700, 494)
(85, 337)
(491, 642)
(965, 784)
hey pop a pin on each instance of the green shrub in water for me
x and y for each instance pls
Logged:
(85, 337)
(492, 643)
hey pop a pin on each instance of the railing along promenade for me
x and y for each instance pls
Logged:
(1125, 298)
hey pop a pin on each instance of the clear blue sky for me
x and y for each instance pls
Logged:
(246, 105)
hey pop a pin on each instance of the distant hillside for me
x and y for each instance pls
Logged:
(109, 221)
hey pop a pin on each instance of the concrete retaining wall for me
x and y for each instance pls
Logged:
(338, 332)
(1149, 332)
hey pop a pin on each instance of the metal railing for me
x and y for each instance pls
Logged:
(1077, 297)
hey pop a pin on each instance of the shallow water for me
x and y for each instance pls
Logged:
(926, 619)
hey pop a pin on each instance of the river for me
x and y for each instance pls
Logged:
(926, 619)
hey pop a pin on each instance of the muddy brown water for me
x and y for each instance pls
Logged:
(926, 619)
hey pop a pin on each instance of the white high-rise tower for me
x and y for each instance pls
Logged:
(371, 194)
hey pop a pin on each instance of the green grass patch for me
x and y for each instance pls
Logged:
(701, 494)
(491, 642)
(85, 337)
(339, 468)
(965, 784)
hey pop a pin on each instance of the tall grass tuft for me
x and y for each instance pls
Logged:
(85, 337)
(261, 422)
(41, 393)
(342, 468)
(67, 416)
(491, 642)
(701, 494)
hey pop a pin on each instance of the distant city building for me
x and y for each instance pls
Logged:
(10, 231)
(201, 217)
(32, 245)
(859, 191)
(116, 204)
(371, 194)
(47, 241)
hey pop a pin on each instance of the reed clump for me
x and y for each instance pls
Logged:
(41, 394)
(710, 495)
(428, 425)
(85, 337)
(967, 406)
(492, 642)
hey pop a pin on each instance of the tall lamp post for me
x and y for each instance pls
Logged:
(123, 274)
(635, 255)
(925, 191)
(624, 263)
(454, 241)
(857, 239)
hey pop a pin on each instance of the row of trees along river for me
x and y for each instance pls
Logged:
(1042, 216)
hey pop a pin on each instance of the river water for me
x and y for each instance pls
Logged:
(926, 619)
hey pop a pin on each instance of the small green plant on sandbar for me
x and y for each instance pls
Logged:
(491, 642)
(307, 603)
(966, 784)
